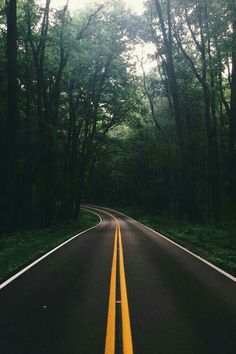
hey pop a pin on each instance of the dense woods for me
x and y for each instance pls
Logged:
(82, 118)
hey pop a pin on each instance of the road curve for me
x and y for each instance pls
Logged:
(77, 299)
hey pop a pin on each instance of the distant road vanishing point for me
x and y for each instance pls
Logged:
(119, 287)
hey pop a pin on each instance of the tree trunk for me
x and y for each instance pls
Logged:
(11, 162)
(232, 118)
(189, 201)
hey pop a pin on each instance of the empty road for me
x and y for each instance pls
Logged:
(119, 288)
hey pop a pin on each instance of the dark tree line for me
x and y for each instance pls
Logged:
(182, 146)
(79, 122)
(64, 86)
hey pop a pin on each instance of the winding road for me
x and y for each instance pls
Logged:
(119, 287)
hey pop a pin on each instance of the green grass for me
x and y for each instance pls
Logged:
(213, 243)
(21, 248)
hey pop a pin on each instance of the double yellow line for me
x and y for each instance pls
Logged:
(111, 318)
(110, 343)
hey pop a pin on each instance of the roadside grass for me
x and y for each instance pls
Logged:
(217, 244)
(19, 249)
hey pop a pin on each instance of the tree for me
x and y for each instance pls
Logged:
(11, 135)
(232, 115)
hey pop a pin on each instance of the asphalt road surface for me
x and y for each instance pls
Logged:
(119, 288)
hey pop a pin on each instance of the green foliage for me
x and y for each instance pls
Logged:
(73, 88)
(150, 164)
(90, 126)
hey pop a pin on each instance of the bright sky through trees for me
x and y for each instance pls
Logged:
(141, 51)
(136, 5)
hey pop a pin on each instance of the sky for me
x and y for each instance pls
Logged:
(136, 5)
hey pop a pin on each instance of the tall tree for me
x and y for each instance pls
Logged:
(232, 120)
(191, 208)
(201, 39)
(11, 158)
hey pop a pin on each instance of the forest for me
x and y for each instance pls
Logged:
(82, 118)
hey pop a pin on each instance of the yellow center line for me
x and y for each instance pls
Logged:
(126, 328)
(111, 317)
